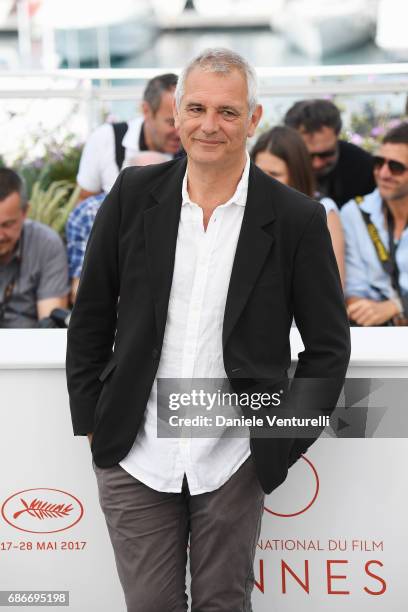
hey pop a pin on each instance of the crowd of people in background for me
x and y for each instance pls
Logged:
(365, 198)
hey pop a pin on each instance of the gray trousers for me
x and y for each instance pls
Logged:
(149, 531)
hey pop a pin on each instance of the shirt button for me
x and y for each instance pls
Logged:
(155, 353)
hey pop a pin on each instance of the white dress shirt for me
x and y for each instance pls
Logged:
(192, 348)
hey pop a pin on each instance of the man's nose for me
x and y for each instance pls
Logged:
(384, 172)
(209, 124)
(318, 162)
(173, 133)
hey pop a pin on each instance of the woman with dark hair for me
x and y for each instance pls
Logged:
(281, 153)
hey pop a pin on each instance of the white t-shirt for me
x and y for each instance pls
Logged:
(97, 169)
(329, 205)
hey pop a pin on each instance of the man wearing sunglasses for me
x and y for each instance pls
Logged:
(342, 170)
(376, 235)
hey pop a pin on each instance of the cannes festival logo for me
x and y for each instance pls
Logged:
(42, 510)
(298, 493)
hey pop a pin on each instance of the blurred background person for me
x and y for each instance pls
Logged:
(376, 234)
(342, 170)
(111, 146)
(33, 261)
(281, 153)
(80, 221)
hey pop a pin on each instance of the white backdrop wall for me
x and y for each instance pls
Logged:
(333, 535)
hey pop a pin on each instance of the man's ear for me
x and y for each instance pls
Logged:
(146, 110)
(25, 210)
(254, 120)
(176, 115)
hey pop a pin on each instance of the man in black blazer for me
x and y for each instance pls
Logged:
(195, 269)
(342, 169)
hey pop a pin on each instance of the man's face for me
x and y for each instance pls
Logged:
(390, 185)
(11, 223)
(322, 147)
(160, 125)
(213, 117)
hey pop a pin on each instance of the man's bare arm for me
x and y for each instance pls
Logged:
(45, 307)
(367, 312)
(84, 194)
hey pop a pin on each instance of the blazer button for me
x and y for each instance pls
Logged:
(155, 353)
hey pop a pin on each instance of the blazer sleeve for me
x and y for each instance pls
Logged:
(92, 326)
(322, 321)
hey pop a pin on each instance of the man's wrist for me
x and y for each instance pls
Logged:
(399, 310)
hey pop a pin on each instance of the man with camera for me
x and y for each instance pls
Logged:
(376, 235)
(33, 261)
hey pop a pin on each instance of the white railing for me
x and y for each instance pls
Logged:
(81, 84)
(75, 101)
(272, 71)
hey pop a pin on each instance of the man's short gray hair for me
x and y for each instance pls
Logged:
(222, 61)
(156, 87)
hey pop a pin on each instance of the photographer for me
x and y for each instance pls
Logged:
(376, 234)
(33, 261)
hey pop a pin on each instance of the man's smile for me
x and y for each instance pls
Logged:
(209, 142)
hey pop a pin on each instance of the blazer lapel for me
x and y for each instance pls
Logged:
(160, 227)
(254, 243)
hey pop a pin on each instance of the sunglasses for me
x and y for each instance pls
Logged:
(395, 167)
(324, 154)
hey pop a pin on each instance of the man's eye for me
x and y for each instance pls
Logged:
(228, 114)
(194, 109)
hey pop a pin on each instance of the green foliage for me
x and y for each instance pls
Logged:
(61, 162)
(59, 167)
(53, 204)
(51, 183)
(30, 174)
(368, 127)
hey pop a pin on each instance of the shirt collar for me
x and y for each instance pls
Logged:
(241, 192)
(18, 252)
(373, 205)
(18, 249)
(131, 138)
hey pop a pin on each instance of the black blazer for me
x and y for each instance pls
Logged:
(352, 176)
(284, 266)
